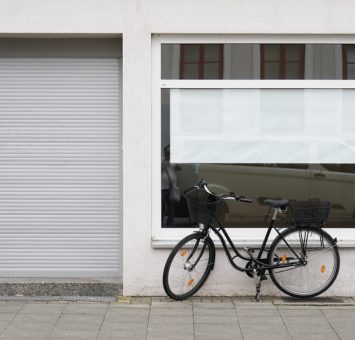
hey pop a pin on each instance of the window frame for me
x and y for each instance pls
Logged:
(168, 237)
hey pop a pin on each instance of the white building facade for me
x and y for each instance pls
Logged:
(84, 88)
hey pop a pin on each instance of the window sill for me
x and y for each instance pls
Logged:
(169, 243)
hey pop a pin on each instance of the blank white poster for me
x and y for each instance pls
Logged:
(262, 125)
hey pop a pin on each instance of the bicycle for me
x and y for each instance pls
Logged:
(302, 261)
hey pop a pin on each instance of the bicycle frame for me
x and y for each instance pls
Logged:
(222, 234)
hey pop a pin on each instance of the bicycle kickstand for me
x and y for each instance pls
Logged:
(257, 279)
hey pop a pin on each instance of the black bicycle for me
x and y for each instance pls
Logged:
(303, 260)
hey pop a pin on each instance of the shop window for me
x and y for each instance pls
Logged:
(201, 61)
(282, 61)
(262, 139)
(349, 61)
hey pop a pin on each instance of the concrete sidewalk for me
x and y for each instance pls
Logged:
(160, 318)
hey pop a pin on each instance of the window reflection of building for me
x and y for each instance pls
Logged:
(282, 61)
(201, 61)
(348, 61)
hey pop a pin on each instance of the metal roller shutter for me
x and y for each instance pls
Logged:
(60, 167)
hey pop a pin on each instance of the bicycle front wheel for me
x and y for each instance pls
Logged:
(316, 259)
(188, 266)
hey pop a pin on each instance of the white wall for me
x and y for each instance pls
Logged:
(136, 20)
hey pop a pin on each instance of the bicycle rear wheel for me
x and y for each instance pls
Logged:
(188, 266)
(316, 259)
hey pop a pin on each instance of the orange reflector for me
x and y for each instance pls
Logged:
(190, 282)
(283, 258)
(183, 252)
(322, 269)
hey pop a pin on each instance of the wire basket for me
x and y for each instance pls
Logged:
(310, 212)
(203, 207)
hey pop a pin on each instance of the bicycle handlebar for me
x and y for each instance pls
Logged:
(203, 185)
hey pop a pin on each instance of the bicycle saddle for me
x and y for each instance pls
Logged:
(277, 203)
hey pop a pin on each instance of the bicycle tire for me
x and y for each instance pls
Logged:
(323, 266)
(181, 252)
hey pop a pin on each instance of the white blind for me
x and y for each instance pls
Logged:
(262, 125)
(59, 167)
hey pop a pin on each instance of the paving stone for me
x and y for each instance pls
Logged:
(123, 326)
(44, 308)
(9, 307)
(127, 315)
(342, 322)
(293, 307)
(203, 331)
(226, 335)
(7, 317)
(219, 305)
(244, 312)
(266, 328)
(128, 311)
(216, 311)
(255, 305)
(266, 336)
(171, 327)
(3, 325)
(245, 301)
(338, 307)
(345, 335)
(79, 321)
(135, 305)
(141, 300)
(215, 319)
(85, 334)
(164, 335)
(315, 336)
(343, 326)
(311, 320)
(15, 332)
(304, 326)
(337, 313)
(172, 304)
(171, 311)
(86, 308)
(165, 319)
(49, 318)
(301, 312)
(130, 334)
(261, 321)
(216, 299)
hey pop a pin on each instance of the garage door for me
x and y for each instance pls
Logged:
(60, 167)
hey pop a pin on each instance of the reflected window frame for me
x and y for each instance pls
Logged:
(201, 62)
(282, 60)
(346, 62)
